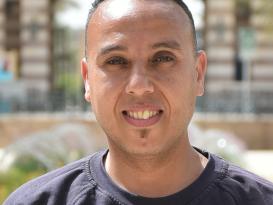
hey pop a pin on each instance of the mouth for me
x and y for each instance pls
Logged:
(142, 118)
(142, 115)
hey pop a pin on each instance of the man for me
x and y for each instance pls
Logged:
(142, 74)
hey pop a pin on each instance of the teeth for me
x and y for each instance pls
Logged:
(142, 115)
(135, 115)
(145, 114)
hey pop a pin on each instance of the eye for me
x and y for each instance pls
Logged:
(162, 59)
(117, 61)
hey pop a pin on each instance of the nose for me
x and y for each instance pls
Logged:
(139, 83)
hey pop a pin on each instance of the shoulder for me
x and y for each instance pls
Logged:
(245, 187)
(57, 186)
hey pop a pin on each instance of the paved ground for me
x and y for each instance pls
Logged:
(261, 163)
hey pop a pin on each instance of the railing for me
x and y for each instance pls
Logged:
(238, 98)
(15, 97)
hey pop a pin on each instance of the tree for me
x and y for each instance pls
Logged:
(61, 5)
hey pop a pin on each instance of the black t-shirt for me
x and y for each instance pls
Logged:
(86, 182)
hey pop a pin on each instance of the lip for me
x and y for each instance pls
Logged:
(140, 107)
(142, 122)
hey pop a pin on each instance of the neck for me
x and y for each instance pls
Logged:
(158, 175)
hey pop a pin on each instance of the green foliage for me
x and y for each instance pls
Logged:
(9, 181)
(63, 5)
(69, 82)
(262, 8)
(23, 171)
(265, 9)
(26, 168)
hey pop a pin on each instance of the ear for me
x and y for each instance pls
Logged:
(84, 72)
(201, 68)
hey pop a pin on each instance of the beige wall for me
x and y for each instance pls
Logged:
(256, 131)
(14, 127)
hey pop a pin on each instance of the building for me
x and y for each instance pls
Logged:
(26, 48)
(239, 44)
(236, 36)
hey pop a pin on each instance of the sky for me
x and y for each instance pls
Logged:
(75, 17)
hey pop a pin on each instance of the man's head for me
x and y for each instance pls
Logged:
(142, 76)
(96, 3)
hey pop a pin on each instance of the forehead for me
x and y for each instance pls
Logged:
(117, 9)
(145, 18)
(120, 8)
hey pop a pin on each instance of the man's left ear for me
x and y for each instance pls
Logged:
(84, 72)
(201, 68)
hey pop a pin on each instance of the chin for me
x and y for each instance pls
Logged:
(147, 149)
(143, 143)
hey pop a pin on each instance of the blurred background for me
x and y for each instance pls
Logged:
(45, 122)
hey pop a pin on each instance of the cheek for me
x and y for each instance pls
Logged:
(179, 91)
(105, 90)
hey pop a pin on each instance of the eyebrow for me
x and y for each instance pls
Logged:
(167, 44)
(110, 48)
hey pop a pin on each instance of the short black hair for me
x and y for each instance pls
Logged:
(181, 3)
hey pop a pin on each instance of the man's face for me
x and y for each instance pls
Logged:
(142, 76)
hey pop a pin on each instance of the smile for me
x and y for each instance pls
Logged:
(142, 115)
(143, 118)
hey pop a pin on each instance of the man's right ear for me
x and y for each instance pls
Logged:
(84, 72)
